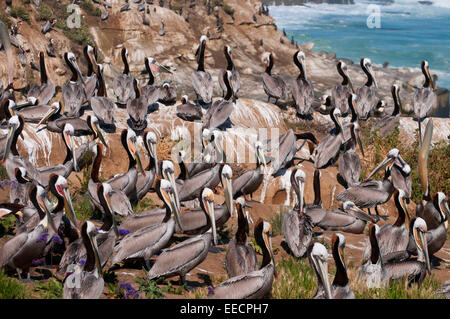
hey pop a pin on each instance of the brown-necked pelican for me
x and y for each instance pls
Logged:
(373, 272)
(86, 282)
(365, 95)
(149, 91)
(188, 111)
(297, 226)
(391, 118)
(423, 97)
(120, 203)
(73, 94)
(249, 182)
(327, 151)
(349, 163)
(221, 110)
(33, 113)
(183, 257)
(241, 256)
(103, 108)
(149, 240)
(90, 53)
(19, 194)
(340, 92)
(340, 287)
(235, 77)
(46, 90)
(167, 94)
(202, 80)
(274, 85)
(318, 259)
(123, 84)
(258, 283)
(302, 88)
(137, 109)
(146, 178)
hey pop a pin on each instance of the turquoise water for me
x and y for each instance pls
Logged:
(409, 32)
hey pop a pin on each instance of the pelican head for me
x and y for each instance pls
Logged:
(92, 122)
(14, 125)
(68, 133)
(207, 200)
(167, 194)
(319, 260)
(226, 178)
(356, 212)
(104, 191)
(227, 49)
(22, 176)
(260, 157)
(300, 179)
(420, 238)
(168, 172)
(366, 64)
(203, 39)
(184, 99)
(150, 141)
(62, 188)
(91, 232)
(131, 144)
(56, 108)
(426, 72)
(441, 205)
(391, 157)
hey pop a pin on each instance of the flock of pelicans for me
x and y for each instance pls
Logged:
(46, 227)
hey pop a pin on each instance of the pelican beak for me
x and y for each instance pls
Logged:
(268, 243)
(93, 240)
(399, 101)
(358, 139)
(262, 159)
(423, 156)
(23, 104)
(108, 202)
(75, 64)
(175, 209)
(99, 133)
(70, 212)
(135, 152)
(350, 83)
(423, 242)
(210, 210)
(49, 114)
(228, 190)
(360, 214)
(385, 162)
(322, 269)
(171, 178)
(49, 216)
(162, 68)
(9, 140)
(70, 144)
(301, 186)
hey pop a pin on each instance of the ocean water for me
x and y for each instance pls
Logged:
(409, 32)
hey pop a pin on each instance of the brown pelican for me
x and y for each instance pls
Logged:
(103, 108)
(123, 84)
(73, 94)
(202, 80)
(297, 226)
(137, 109)
(33, 113)
(318, 259)
(302, 88)
(19, 194)
(221, 110)
(149, 91)
(249, 182)
(414, 270)
(258, 283)
(274, 86)
(340, 92)
(90, 79)
(106, 237)
(349, 163)
(183, 257)
(46, 90)
(235, 77)
(327, 151)
(340, 287)
(146, 178)
(365, 99)
(86, 282)
(391, 119)
(433, 211)
(188, 111)
(241, 257)
(149, 240)
(120, 203)
(424, 97)
(167, 94)
(373, 271)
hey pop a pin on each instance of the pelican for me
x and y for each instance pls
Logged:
(146, 178)
(423, 97)
(202, 80)
(89, 278)
(123, 84)
(274, 86)
(106, 236)
(365, 95)
(33, 113)
(340, 287)
(391, 119)
(235, 77)
(46, 90)
(318, 259)
(19, 195)
(90, 53)
(167, 94)
(340, 92)
(120, 203)
(302, 88)
(149, 240)
(249, 182)
(241, 257)
(221, 110)
(258, 283)
(149, 91)
(373, 271)
(349, 163)
(327, 151)
(103, 108)
(188, 111)
(297, 226)
(73, 94)
(137, 109)
(183, 257)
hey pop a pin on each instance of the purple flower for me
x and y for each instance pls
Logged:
(42, 238)
(14, 184)
(36, 262)
(123, 232)
(82, 262)
(57, 239)
(210, 290)
(129, 291)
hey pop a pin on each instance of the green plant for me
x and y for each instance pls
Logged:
(82, 207)
(149, 288)
(143, 204)
(5, 19)
(277, 222)
(26, 1)
(88, 6)
(255, 246)
(171, 289)
(52, 289)
(11, 288)
(7, 225)
(20, 12)
(45, 12)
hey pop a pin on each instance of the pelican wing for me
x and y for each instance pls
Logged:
(123, 88)
(297, 232)
(104, 109)
(423, 100)
(365, 101)
(274, 86)
(203, 85)
(73, 96)
(303, 95)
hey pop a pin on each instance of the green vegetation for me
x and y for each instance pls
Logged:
(7, 225)
(11, 288)
(5, 19)
(149, 288)
(143, 204)
(171, 289)
(20, 12)
(45, 12)
(90, 9)
(277, 222)
(228, 9)
(255, 246)
(26, 1)
(52, 289)
(83, 208)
